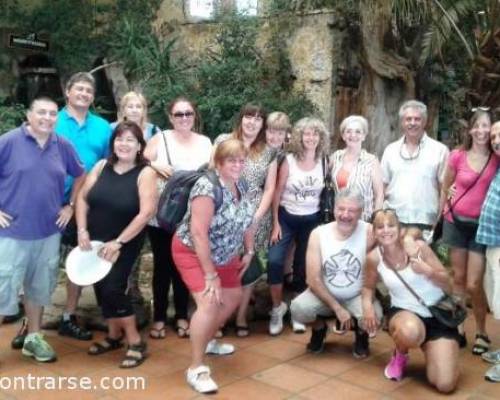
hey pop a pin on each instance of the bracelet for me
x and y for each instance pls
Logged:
(211, 277)
(250, 252)
(82, 230)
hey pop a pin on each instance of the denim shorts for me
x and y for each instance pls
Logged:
(462, 239)
(28, 264)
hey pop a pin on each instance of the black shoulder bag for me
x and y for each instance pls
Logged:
(447, 310)
(327, 196)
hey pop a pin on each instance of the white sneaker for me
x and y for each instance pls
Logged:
(276, 321)
(298, 327)
(493, 374)
(219, 349)
(493, 357)
(199, 379)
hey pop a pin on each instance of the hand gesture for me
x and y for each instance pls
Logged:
(5, 220)
(213, 290)
(64, 216)
(344, 318)
(110, 251)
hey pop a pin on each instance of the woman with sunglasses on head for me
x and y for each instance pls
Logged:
(260, 174)
(411, 325)
(353, 166)
(134, 107)
(180, 148)
(296, 212)
(470, 168)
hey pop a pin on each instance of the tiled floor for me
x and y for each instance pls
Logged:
(262, 368)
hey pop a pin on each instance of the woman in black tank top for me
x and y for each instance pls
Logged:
(116, 201)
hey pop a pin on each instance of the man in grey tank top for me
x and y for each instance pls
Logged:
(334, 270)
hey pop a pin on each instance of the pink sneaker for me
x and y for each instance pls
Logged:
(396, 367)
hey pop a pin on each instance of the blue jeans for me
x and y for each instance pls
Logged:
(293, 227)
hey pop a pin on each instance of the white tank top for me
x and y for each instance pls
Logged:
(342, 261)
(401, 297)
(183, 158)
(302, 188)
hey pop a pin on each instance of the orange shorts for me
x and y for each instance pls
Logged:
(189, 267)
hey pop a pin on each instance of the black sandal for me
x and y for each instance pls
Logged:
(481, 344)
(108, 344)
(242, 331)
(135, 356)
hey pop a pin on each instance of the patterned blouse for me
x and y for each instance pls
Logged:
(360, 178)
(228, 224)
(255, 173)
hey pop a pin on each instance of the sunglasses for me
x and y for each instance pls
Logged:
(186, 114)
(476, 109)
(385, 211)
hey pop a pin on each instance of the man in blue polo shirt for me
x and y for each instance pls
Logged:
(90, 135)
(34, 163)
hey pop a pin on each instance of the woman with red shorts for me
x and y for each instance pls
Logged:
(206, 250)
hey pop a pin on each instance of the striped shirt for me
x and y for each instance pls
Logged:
(360, 178)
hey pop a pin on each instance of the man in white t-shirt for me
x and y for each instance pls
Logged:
(334, 269)
(413, 169)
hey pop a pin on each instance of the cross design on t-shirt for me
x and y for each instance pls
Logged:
(342, 269)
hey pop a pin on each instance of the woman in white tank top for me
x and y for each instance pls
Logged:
(295, 211)
(410, 324)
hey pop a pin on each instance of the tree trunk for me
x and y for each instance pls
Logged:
(387, 80)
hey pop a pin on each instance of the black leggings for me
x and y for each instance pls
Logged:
(111, 292)
(164, 274)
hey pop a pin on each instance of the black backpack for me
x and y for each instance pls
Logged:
(173, 202)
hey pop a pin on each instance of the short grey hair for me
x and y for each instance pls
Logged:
(351, 194)
(414, 104)
(353, 119)
(80, 77)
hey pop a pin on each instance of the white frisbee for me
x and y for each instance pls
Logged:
(86, 267)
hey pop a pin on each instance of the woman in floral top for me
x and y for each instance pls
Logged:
(260, 173)
(206, 252)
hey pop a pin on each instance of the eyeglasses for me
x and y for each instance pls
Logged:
(476, 109)
(185, 114)
(407, 156)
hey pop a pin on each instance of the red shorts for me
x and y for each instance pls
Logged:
(189, 267)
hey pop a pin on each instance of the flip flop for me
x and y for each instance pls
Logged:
(157, 333)
(182, 331)
(242, 331)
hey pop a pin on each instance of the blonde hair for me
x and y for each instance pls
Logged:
(278, 120)
(379, 216)
(124, 101)
(353, 119)
(297, 145)
(229, 148)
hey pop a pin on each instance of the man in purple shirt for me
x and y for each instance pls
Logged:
(34, 163)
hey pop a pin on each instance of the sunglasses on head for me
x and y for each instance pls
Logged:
(385, 211)
(186, 114)
(475, 109)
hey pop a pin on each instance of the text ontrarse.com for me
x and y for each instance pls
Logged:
(31, 382)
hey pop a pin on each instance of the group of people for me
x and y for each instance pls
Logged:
(69, 174)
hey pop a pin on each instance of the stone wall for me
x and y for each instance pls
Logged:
(312, 41)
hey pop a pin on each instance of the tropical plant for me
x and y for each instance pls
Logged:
(11, 115)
